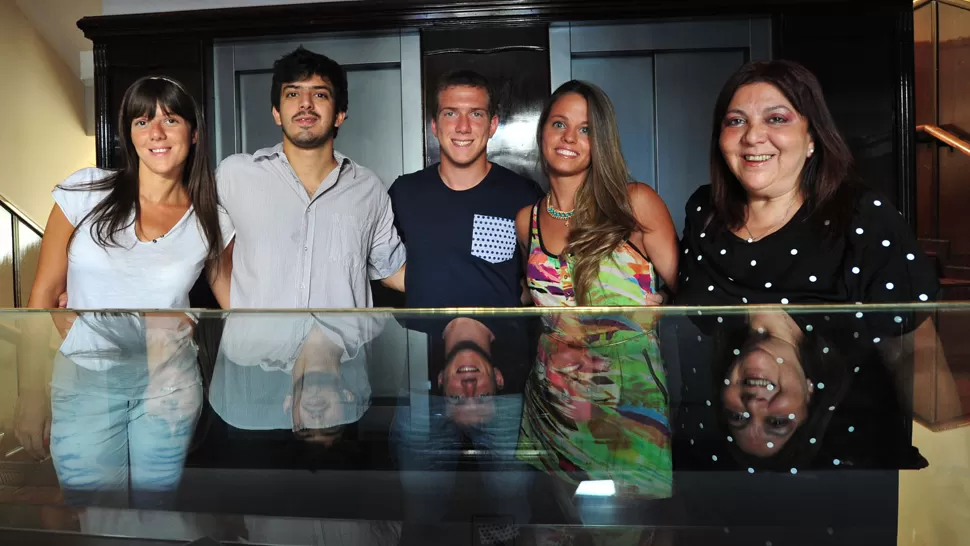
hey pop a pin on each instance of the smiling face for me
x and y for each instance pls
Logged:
(462, 124)
(764, 140)
(307, 112)
(162, 140)
(565, 137)
(768, 395)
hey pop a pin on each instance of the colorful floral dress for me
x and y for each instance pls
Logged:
(597, 406)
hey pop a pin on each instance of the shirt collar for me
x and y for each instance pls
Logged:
(277, 152)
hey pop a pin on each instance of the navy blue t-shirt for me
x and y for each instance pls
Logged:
(462, 249)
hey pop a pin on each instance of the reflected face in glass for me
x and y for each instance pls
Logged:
(462, 124)
(565, 137)
(768, 395)
(469, 375)
(307, 112)
(764, 140)
(319, 401)
(469, 382)
(162, 141)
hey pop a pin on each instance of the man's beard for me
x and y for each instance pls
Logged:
(307, 140)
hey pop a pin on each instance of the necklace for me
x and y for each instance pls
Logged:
(556, 213)
(751, 237)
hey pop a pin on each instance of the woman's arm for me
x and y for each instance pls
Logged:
(656, 235)
(523, 224)
(34, 361)
(51, 279)
(220, 277)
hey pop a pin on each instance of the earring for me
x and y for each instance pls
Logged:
(811, 151)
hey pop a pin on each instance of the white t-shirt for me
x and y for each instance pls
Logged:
(136, 274)
(146, 355)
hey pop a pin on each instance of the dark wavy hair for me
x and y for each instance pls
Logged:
(303, 64)
(824, 174)
(114, 214)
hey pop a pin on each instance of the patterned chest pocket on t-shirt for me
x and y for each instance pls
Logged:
(493, 238)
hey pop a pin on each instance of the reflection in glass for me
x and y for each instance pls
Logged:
(791, 393)
(6, 260)
(304, 373)
(473, 397)
(125, 398)
(27, 258)
(596, 410)
(581, 454)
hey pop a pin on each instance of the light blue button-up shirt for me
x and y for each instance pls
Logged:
(297, 251)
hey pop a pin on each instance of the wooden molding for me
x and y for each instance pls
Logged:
(383, 14)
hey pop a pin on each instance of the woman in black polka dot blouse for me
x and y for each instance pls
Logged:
(782, 220)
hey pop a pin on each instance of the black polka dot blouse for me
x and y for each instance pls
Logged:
(876, 259)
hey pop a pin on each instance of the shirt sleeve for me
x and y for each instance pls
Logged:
(387, 253)
(396, 204)
(222, 187)
(226, 227)
(885, 264)
(74, 199)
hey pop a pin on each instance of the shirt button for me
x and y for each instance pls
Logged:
(306, 248)
(302, 287)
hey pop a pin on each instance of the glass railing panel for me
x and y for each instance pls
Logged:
(814, 425)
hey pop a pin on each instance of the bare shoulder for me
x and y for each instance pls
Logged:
(642, 195)
(647, 205)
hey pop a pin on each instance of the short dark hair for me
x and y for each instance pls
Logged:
(823, 174)
(465, 78)
(303, 64)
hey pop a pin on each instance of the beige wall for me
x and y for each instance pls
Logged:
(42, 137)
(934, 502)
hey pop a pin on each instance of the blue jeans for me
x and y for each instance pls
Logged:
(103, 446)
(427, 445)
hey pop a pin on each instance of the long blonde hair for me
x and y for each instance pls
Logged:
(603, 219)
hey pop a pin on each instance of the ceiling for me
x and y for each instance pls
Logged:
(56, 21)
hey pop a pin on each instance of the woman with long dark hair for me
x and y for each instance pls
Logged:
(126, 391)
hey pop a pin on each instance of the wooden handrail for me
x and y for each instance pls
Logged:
(945, 137)
(963, 4)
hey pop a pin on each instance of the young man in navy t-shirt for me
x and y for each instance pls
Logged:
(457, 218)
